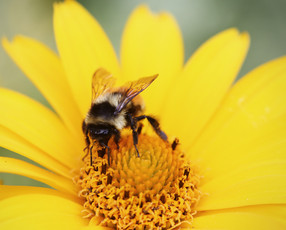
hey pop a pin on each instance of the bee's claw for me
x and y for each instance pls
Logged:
(138, 155)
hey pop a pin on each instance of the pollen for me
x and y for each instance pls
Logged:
(158, 190)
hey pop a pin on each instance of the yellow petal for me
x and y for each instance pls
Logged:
(15, 166)
(204, 82)
(246, 114)
(45, 70)
(15, 143)
(45, 221)
(152, 44)
(241, 149)
(263, 183)
(95, 227)
(40, 211)
(248, 218)
(39, 126)
(7, 191)
(249, 147)
(83, 47)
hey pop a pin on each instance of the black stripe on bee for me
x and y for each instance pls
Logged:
(103, 109)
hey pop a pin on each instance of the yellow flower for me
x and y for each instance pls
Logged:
(233, 137)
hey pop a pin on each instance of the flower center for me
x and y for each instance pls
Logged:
(156, 190)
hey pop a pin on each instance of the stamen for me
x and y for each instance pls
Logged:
(159, 189)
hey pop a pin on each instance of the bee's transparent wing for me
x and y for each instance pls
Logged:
(133, 89)
(101, 81)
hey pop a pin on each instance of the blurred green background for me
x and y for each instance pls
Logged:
(199, 20)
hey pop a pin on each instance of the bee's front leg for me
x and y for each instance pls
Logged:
(102, 144)
(116, 137)
(87, 141)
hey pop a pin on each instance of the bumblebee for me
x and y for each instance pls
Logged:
(114, 109)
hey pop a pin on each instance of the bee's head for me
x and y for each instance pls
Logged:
(101, 132)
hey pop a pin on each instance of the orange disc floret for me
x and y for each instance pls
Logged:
(159, 189)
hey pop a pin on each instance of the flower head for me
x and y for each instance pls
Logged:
(158, 189)
(227, 171)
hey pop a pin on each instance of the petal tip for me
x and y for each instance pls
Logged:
(56, 5)
(245, 39)
(66, 3)
(143, 10)
(232, 30)
(164, 15)
(245, 35)
(14, 42)
(4, 42)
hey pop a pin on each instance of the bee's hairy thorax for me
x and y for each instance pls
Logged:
(103, 110)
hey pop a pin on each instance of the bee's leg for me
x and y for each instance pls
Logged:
(175, 143)
(116, 137)
(133, 125)
(87, 141)
(139, 130)
(156, 126)
(108, 151)
(87, 152)
(90, 152)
